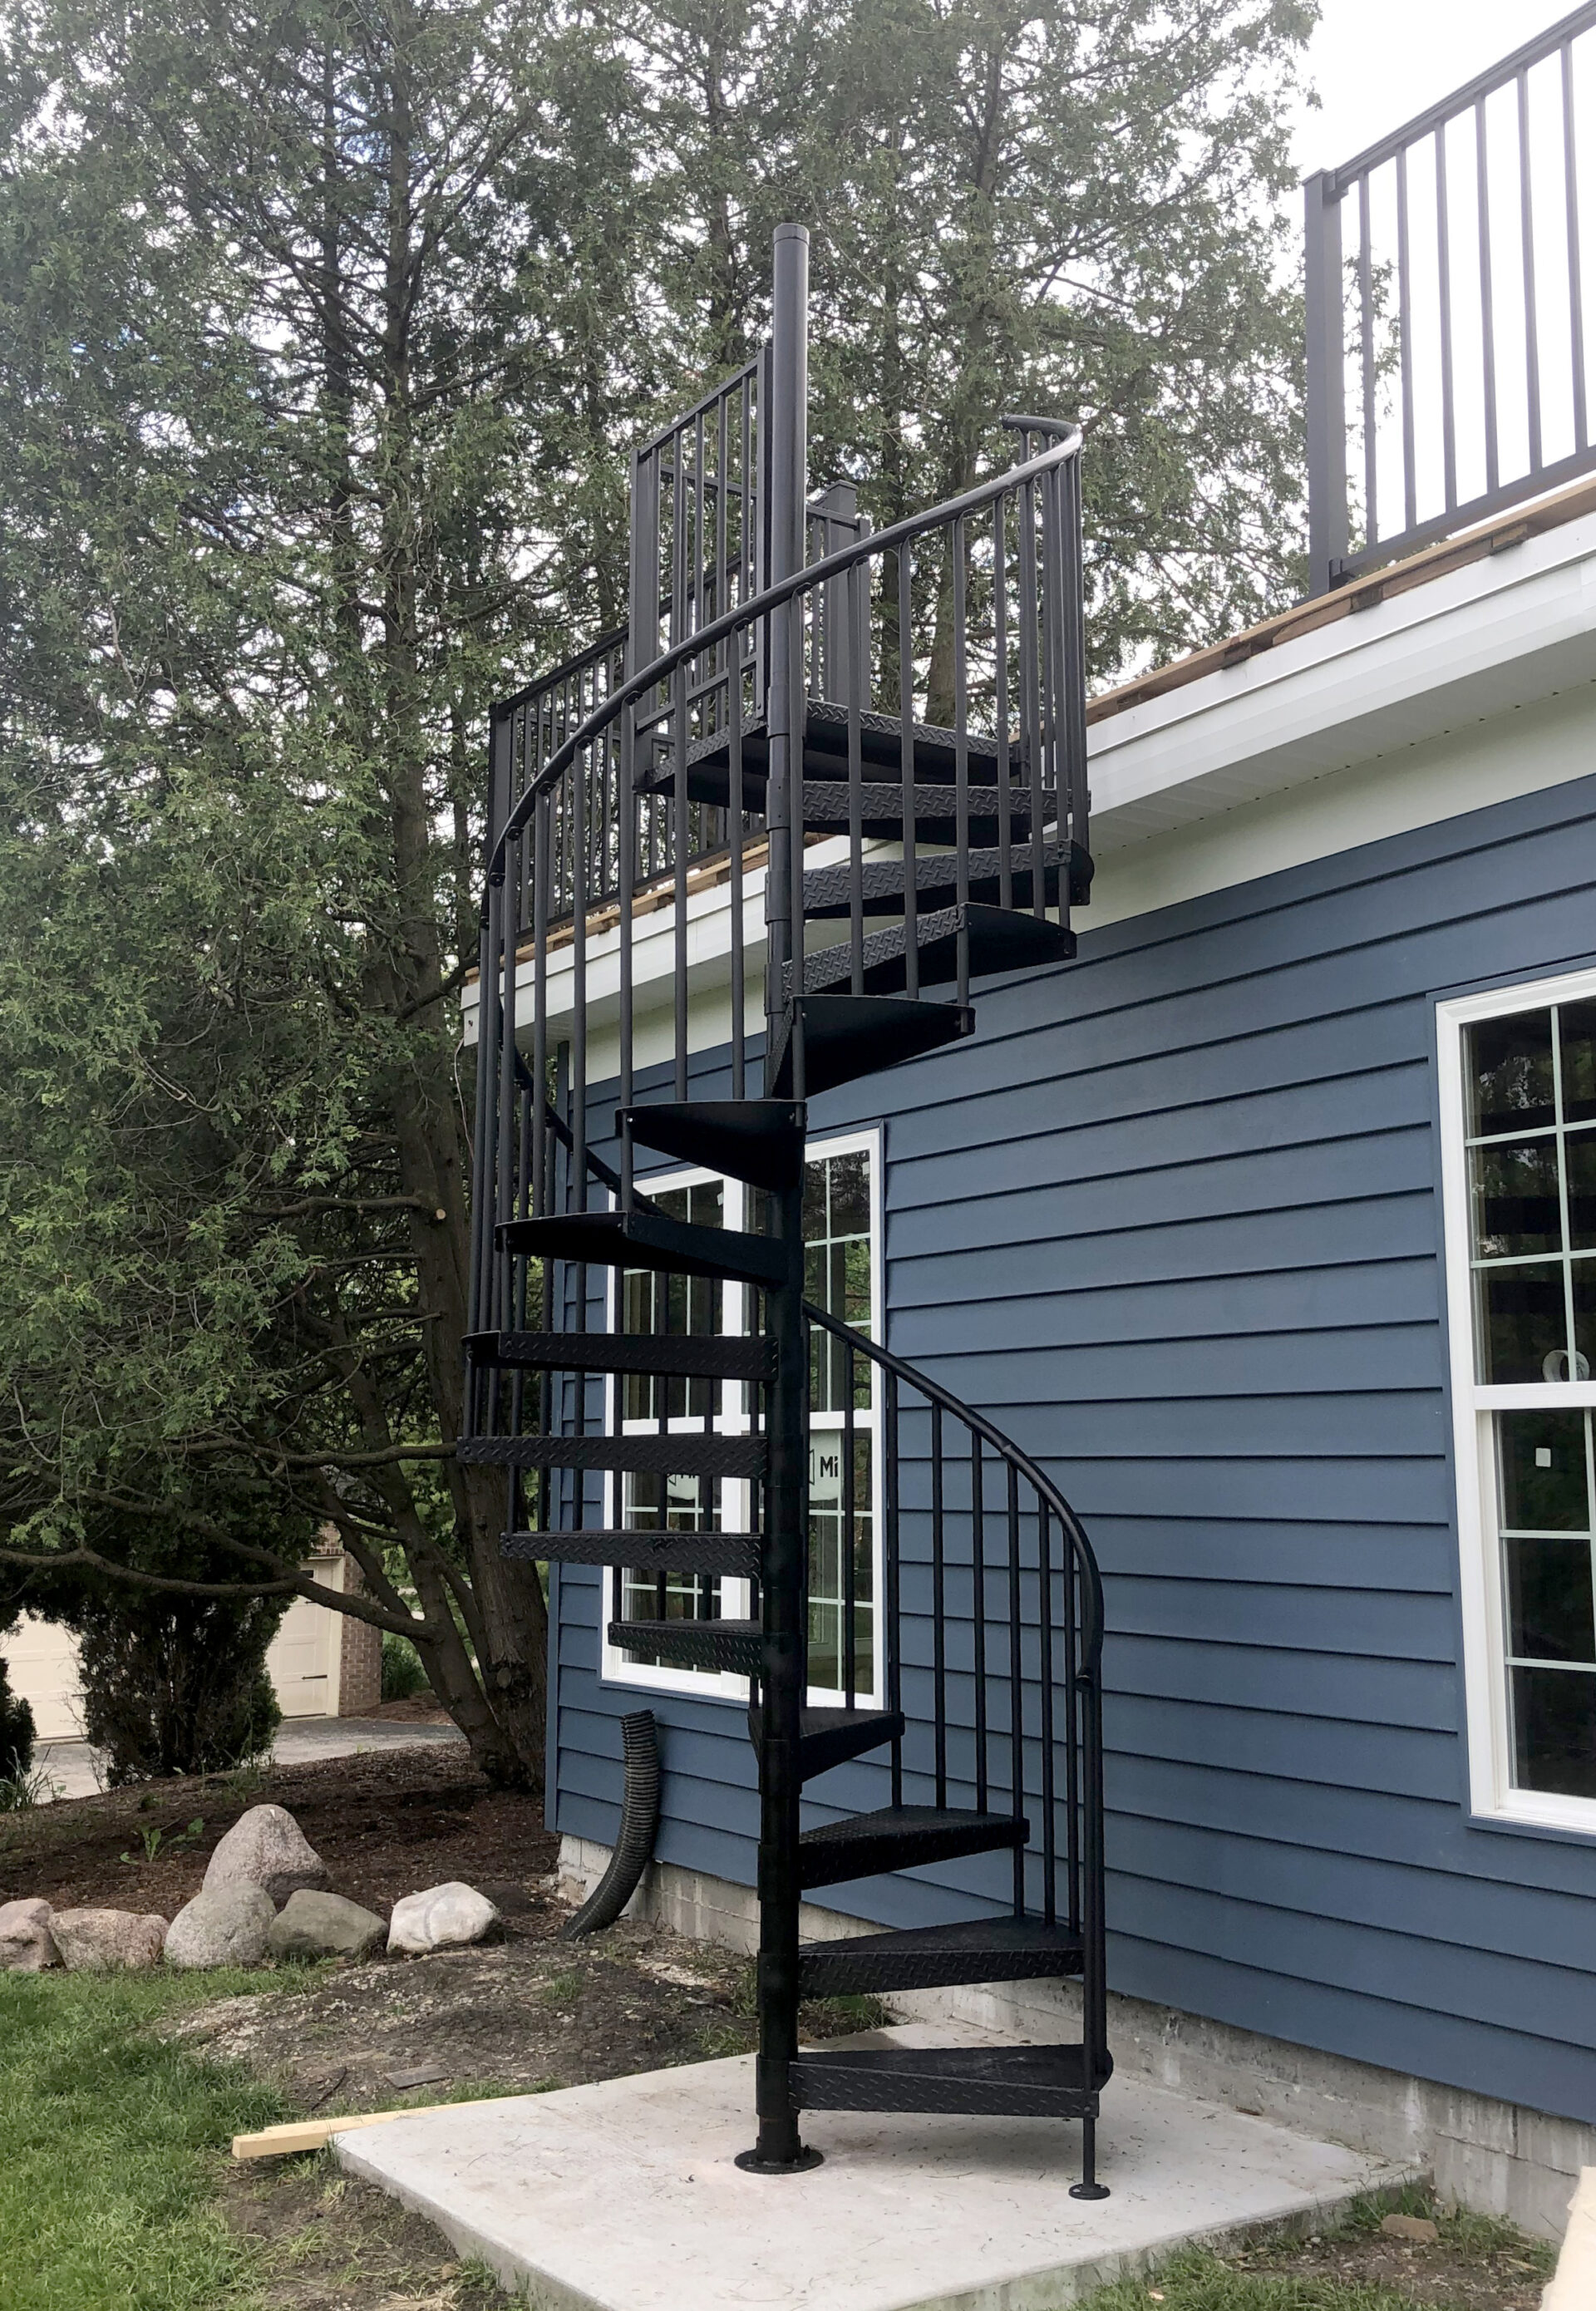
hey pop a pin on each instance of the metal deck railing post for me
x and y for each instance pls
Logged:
(1326, 407)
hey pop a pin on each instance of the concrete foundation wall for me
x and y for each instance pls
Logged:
(1495, 2157)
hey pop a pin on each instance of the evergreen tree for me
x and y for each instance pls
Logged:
(323, 331)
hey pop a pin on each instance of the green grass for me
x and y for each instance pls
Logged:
(111, 2143)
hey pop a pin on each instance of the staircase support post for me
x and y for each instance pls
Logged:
(784, 1678)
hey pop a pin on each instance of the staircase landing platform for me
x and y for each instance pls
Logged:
(622, 2196)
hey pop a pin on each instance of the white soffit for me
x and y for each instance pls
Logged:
(1500, 632)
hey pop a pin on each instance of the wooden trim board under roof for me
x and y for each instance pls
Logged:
(1494, 536)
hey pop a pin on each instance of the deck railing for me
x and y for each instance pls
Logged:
(1446, 356)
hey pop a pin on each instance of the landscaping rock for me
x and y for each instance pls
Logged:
(444, 1917)
(226, 1926)
(94, 1941)
(27, 1946)
(313, 1926)
(265, 1847)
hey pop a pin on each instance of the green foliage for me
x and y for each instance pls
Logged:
(322, 336)
(402, 1671)
(110, 2147)
(16, 1735)
(159, 1839)
(175, 1684)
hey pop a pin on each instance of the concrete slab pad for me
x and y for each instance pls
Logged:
(624, 2196)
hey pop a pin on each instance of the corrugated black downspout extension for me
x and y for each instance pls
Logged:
(639, 1823)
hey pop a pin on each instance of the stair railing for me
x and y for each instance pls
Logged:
(992, 1635)
(996, 572)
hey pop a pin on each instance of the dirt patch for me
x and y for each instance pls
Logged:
(332, 2243)
(386, 1823)
(533, 2014)
(1474, 2265)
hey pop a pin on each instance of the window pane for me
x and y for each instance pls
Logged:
(1548, 1600)
(1554, 1731)
(827, 1596)
(1576, 1032)
(849, 1187)
(1582, 1273)
(1510, 1073)
(652, 1301)
(1579, 1161)
(1516, 1206)
(1523, 1331)
(1541, 1456)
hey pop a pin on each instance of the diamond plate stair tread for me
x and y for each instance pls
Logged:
(901, 1837)
(831, 1736)
(996, 2081)
(828, 892)
(846, 1036)
(1000, 940)
(931, 1958)
(732, 1645)
(705, 1356)
(761, 1140)
(825, 753)
(664, 1456)
(648, 1240)
(828, 807)
(735, 1554)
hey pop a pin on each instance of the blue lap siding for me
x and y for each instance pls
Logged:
(1172, 1220)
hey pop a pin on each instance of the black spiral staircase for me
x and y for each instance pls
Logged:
(730, 859)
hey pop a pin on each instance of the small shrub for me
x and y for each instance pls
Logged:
(402, 1672)
(177, 1685)
(16, 1733)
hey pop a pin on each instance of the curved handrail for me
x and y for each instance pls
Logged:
(1070, 1523)
(745, 614)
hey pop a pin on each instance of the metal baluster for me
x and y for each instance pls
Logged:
(1405, 346)
(1068, 1575)
(892, 1583)
(1016, 1707)
(849, 1574)
(1576, 309)
(1044, 1634)
(906, 767)
(1365, 297)
(1488, 323)
(939, 1629)
(1000, 700)
(851, 659)
(978, 1574)
(680, 628)
(961, 763)
(1527, 234)
(1074, 815)
(1030, 609)
(1448, 421)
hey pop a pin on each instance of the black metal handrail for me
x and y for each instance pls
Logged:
(774, 596)
(1031, 1736)
(1405, 283)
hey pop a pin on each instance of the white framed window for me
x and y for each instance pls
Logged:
(1517, 1076)
(843, 1272)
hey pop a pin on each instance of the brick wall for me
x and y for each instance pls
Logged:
(360, 1666)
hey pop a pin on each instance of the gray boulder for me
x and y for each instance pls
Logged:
(311, 1926)
(265, 1847)
(443, 1917)
(93, 1941)
(226, 1926)
(27, 1946)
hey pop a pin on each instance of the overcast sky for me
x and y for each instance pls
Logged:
(1375, 63)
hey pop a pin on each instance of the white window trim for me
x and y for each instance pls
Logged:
(1491, 1791)
(720, 1684)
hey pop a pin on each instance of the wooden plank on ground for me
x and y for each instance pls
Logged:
(298, 2134)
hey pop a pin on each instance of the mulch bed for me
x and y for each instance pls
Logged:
(386, 1823)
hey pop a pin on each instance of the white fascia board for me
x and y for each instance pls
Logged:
(653, 974)
(1514, 627)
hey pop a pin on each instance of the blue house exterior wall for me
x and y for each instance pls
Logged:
(1173, 1219)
